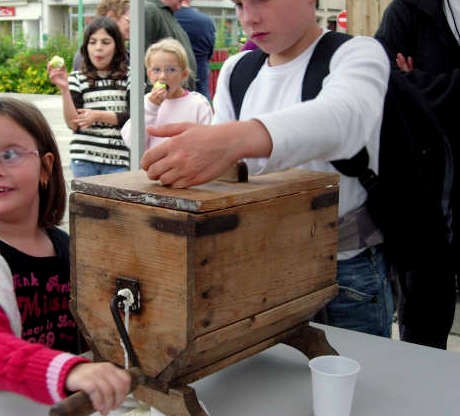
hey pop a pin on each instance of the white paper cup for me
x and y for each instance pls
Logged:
(333, 381)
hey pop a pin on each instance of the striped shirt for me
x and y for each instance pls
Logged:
(101, 143)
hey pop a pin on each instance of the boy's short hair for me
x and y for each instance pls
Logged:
(53, 195)
(169, 45)
(118, 7)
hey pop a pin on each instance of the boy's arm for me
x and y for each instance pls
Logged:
(337, 124)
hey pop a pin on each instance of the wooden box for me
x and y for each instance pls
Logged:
(223, 269)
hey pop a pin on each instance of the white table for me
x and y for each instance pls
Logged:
(396, 378)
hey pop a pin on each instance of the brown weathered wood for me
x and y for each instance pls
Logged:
(364, 16)
(227, 290)
(233, 269)
(231, 343)
(125, 245)
(237, 173)
(136, 187)
(310, 341)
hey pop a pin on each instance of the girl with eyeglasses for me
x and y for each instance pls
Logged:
(96, 101)
(169, 101)
(36, 325)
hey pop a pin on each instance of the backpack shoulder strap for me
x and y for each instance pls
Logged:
(245, 70)
(318, 68)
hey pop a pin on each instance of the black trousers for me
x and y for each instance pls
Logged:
(426, 307)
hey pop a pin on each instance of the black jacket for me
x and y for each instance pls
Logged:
(419, 28)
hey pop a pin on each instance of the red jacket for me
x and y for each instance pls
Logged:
(33, 370)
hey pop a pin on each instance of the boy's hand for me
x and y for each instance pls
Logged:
(195, 154)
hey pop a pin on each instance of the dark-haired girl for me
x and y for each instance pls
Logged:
(96, 101)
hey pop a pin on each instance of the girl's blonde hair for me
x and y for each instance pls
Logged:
(169, 45)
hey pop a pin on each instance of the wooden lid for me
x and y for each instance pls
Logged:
(137, 188)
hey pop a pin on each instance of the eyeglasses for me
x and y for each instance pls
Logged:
(14, 157)
(168, 70)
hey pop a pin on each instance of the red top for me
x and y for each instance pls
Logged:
(33, 370)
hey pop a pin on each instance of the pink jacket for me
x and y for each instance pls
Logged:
(32, 370)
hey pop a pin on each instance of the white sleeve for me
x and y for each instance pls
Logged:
(344, 117)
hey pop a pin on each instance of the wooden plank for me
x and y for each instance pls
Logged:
(282, 250)
(237, 342)
(123, 245)
(298, 310)
(364, 16)
(136, 187)
(228, 345)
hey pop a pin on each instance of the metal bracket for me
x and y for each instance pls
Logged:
(133, 286)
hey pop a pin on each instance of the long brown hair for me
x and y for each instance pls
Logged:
(53, 195)
(118, 66)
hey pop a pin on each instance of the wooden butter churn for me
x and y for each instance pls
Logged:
(218, 272)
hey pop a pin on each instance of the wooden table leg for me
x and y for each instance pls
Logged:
(310, 341)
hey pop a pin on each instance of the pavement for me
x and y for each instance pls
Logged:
(51, 107)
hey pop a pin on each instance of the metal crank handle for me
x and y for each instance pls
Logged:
(79, 403)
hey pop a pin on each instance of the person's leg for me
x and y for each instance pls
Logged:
(81, 168)
(427, 306)
(365, 301)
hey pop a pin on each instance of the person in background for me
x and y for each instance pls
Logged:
(96, 101)
(249, 45)
(277, 131)
(118, 10)
(169, 102)
(422, 39)
(202, 34)
(38, 335)
(160, 23)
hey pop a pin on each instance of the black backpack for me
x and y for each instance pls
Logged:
(410, 198)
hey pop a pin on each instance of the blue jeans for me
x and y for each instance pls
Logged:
(83, 168)
(365, 301)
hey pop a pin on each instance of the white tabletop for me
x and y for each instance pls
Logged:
(396, 378)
